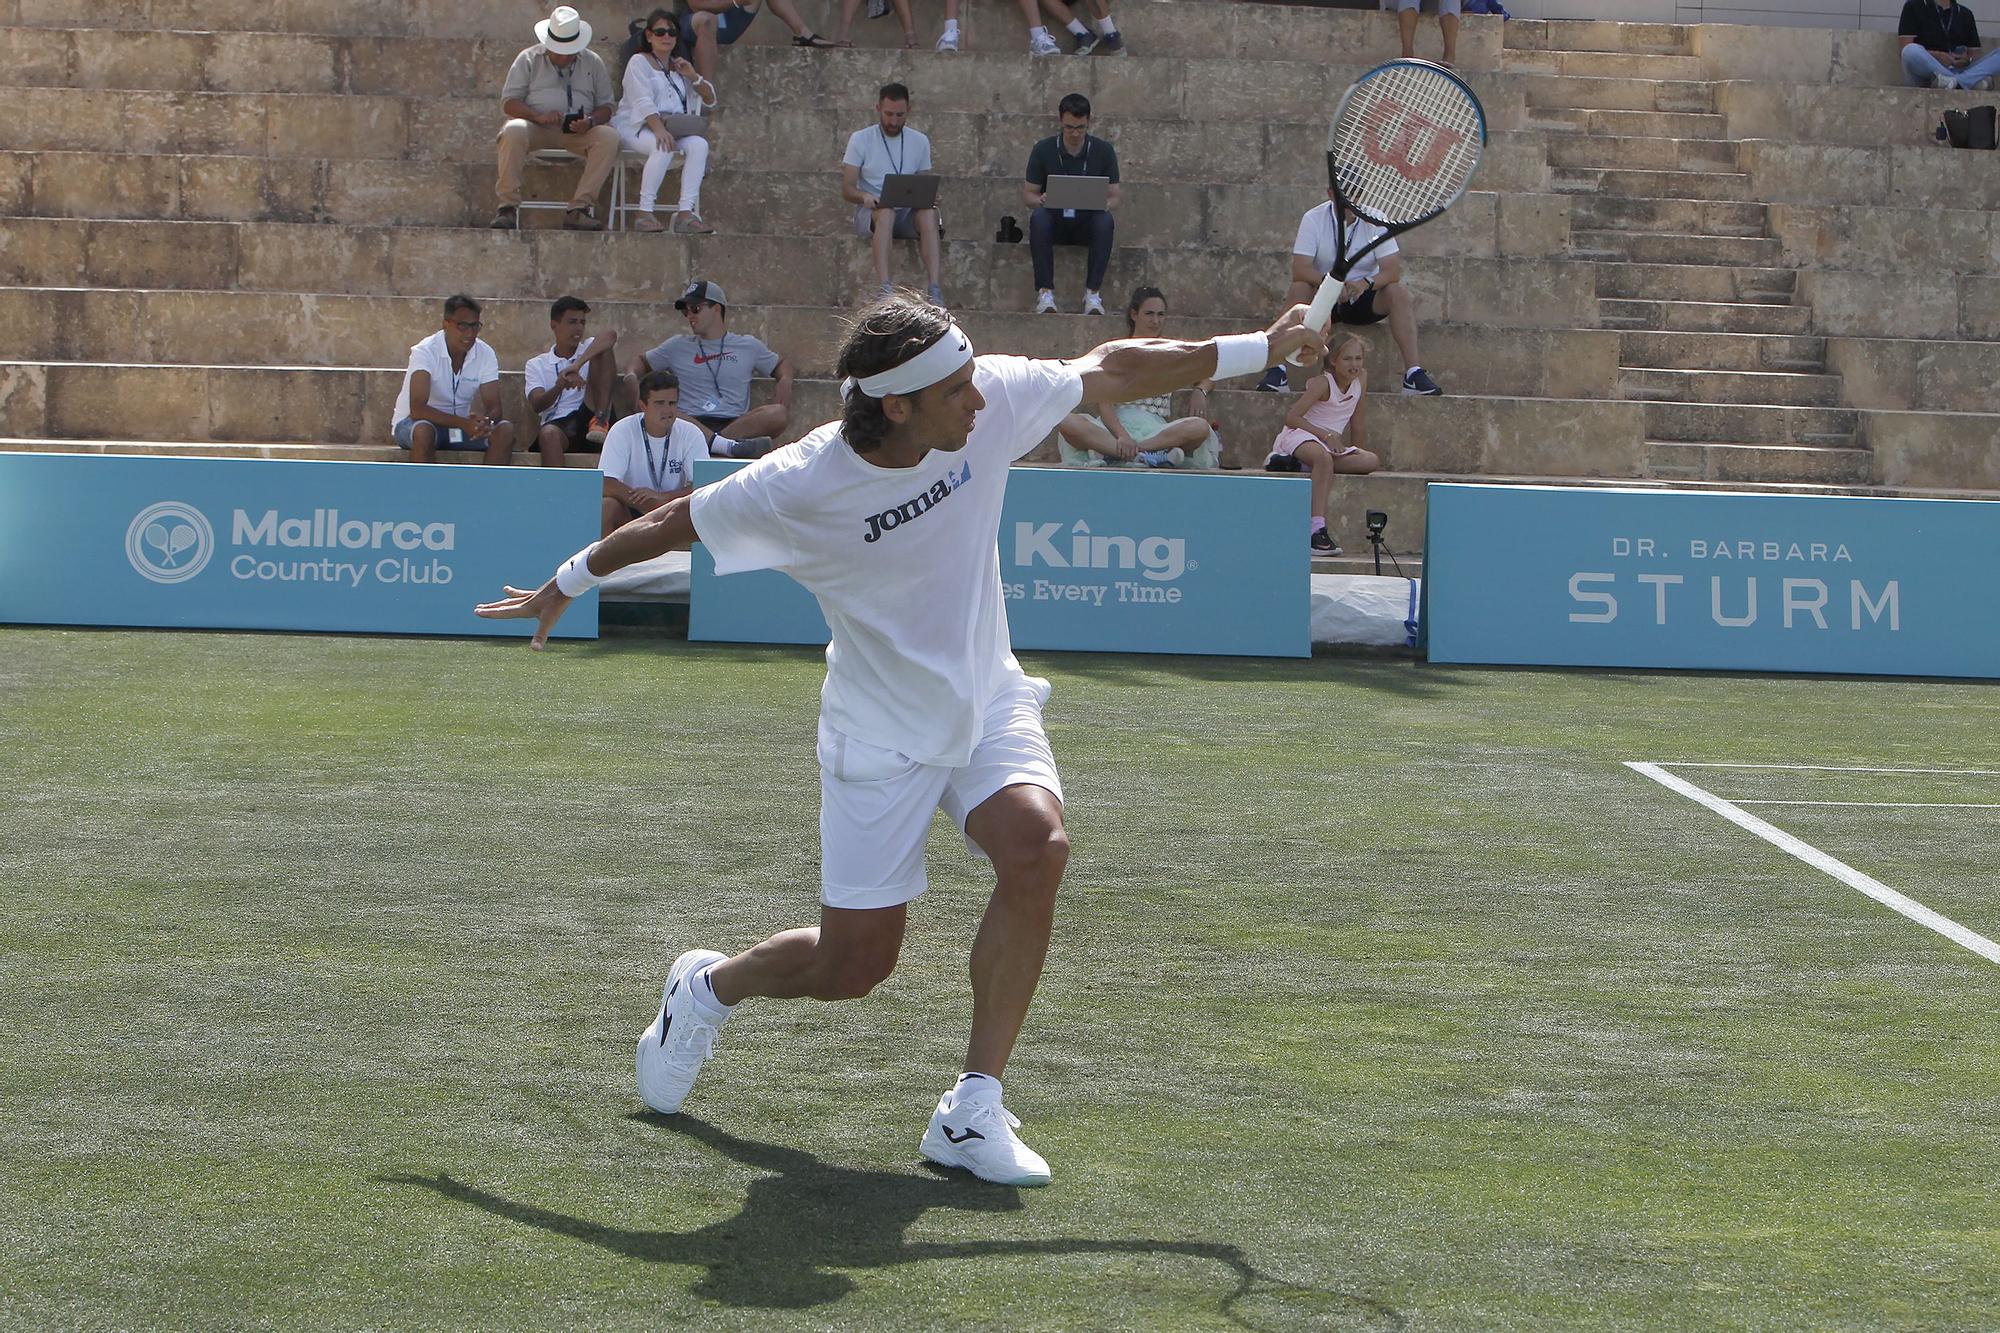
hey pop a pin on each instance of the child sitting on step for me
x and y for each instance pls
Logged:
(1323, 431)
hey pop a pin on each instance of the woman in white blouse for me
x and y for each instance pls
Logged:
(658, 86)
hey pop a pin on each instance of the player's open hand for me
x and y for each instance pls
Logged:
(1290, 334)
(546, 604)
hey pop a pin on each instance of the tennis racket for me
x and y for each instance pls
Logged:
(1402, 148)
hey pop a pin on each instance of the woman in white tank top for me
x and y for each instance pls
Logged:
(1324, 430)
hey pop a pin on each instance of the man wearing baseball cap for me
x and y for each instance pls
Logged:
(557, 95)
(715, 367)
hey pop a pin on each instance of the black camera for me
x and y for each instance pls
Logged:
(1377, 520)
(1009, 232)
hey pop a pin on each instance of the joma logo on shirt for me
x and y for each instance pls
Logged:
(890, 519)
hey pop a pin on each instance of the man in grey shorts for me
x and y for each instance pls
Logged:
(1406, 21)
(890, 148)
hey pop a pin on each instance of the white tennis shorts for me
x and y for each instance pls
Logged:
(875, 805)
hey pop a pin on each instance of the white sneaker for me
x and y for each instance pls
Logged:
(679, 1040)
(1163, 457)
(1045, 303)
(1041, 44)
(977, 1134)
(947, 42)
(1947, 81)
(1093, 304)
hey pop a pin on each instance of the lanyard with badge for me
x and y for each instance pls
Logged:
(898, 160)
(657, 471)
(707, 362)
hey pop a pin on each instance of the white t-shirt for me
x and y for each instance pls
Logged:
(1316, 238)
(905, 562)
(879, 155)
(451, 389)
(647, 462)
(544, 370)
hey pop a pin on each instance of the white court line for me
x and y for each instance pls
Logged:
(1819, 860)
(1848, 768)
(1889, 805)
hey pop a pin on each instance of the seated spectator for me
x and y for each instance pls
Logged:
(1373, 292)
(888, 147)
(1144, 431)
(1324, 430)
(714, 367)
(1074, 152)
(649, 457)
(709, 25)
(557, 95)
(570, 385)
(1939, 41)
(1406, 23)
(1082, 40)
(876, 9)
(660, 116)
(450, 397)
(1040, 42)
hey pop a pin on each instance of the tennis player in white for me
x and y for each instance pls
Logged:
(890, 517)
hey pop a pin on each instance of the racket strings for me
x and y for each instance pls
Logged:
(1405, 144)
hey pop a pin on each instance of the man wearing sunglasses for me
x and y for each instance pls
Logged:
(451, 392)
(715, 367)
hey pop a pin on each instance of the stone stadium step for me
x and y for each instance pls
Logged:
(1673, 460)
(1673, 125)
(1635, 184)
(1741, 423)
(1556, 91)
(1641, 153)
(1766, 387)
(1704, 316)
(165, 327)
(1652, 247)
(1866, 117)
(1598, 35)
(1696, 282)
(1604, 65)
(1887, 239)
(1723, 351)
(1680, 216)
(1913, 174)
(1917, 374)
(1250, 32)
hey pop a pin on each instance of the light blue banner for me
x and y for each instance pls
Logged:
(230, 543)
(1096, 560)
(1582, 576)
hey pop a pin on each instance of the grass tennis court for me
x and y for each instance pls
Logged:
(1383, 997)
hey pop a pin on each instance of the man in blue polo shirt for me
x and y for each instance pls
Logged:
(1074, 152)
(1940, 40)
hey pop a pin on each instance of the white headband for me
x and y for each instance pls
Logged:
(941, 359)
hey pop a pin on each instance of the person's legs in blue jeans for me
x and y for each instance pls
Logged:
(1981, 69)
(1921, 67)
(1102, 228)
(1042, 247)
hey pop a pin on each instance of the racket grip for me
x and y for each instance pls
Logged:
(1320, 312)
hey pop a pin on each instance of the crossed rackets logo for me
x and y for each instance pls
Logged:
(1408, 143)
(169, 542)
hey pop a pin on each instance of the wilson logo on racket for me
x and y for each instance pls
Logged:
(1411, 145)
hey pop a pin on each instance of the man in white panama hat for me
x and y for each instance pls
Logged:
(557, 95)
(890, 517)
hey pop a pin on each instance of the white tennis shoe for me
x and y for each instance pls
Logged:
(679, 1040)
(977, 1135)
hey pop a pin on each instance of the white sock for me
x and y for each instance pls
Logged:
(1411, 371)
(1034, 33)
(1107, 26)
(722, 447)
(975, 1087)
(951, 27)
(702, 992)
(1076, 26)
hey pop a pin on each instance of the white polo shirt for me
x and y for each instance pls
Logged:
(879, 155)
(451, 388)
(1317, 239)
(648, 462)
(543, 371)
(905, 562)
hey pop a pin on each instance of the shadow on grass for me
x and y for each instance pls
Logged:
(808, 1219)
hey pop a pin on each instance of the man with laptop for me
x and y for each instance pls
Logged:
(886, 174)
(1072, 187)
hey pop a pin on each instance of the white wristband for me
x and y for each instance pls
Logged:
(1241, 354)
(573, 576)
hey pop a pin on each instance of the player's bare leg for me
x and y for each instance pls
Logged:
(1020, 829)
(849, 953)
(1402, 322)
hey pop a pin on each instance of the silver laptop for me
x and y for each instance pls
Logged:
(1078, 192)
(909, 191)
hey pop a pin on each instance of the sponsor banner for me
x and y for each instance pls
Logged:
(233, 543)
(1582, 576)
(1094, 560)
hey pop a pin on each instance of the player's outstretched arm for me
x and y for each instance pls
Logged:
(670, 527)
(1118, 372)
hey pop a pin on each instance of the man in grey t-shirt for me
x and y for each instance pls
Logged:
(715, 367)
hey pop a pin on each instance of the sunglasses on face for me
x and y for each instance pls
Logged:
(663, 32)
